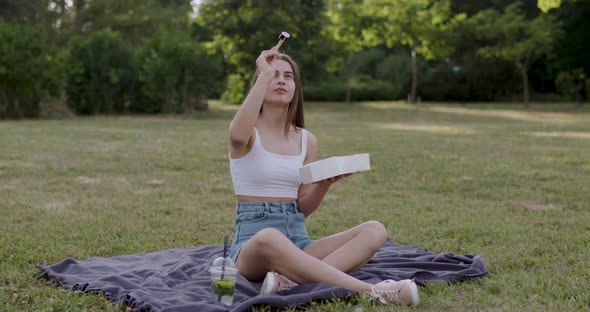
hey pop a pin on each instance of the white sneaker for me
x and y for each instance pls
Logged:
(275, 282)
(404, 292)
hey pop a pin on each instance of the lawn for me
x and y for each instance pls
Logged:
(510, 184)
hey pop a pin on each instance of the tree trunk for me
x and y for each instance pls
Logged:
(414, 76)
(581, 89)
(525, 84)
(185, 103)
(78, 8)
(3, 103)
(348, 92)
(348, 74)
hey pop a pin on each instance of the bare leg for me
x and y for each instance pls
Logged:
(349, 250)
(270, 250)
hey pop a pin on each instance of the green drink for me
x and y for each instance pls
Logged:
(223, 280)
(222, 288)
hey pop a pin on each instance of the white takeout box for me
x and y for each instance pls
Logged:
(333, 166)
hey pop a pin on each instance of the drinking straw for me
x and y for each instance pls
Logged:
(225, 241)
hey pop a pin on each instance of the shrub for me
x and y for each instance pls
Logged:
(374, 90)
(100, 76)
(175, 74)
(328, 90)
(572, 83)
(364, 89)
(28, 72)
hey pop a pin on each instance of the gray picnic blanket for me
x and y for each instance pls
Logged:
(178, 279)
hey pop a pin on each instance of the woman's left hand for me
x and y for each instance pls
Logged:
(329, 181)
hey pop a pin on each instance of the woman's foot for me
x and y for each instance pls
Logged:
(275, 282)
(404, 292)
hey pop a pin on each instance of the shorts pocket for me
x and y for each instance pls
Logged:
(252, 216)
(249, 223)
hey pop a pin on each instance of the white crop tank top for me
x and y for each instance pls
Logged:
(266, 174)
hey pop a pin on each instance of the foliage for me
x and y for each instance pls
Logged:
(175, 74)
(516, 39)
(331, 37)
(485, 79)
(373, 90)
(574, 45)
(242, 29)
(135, 20)
(326, 90)
(572, 84)
(28, 71)
(100, 74)
(424, 26)
(376, 73)
(362, 89)
(42, 13)
(234, 90)
(395, 69)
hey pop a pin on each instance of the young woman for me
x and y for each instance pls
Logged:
(267, 145)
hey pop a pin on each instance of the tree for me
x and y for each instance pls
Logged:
(100, 74)
(424, 26)
(135, 20)
(175, 74)
(28, 72)
(514, 38)
(50, 16)
(345, 30)
(242, 29)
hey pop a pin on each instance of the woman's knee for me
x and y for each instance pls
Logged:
(268, 241)
(377, 231)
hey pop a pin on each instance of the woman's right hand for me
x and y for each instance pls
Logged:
(264, 60)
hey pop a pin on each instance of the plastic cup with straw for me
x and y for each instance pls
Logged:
(223, 277)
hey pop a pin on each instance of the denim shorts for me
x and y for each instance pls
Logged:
(252, 217)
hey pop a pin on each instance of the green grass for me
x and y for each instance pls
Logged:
(512, 185)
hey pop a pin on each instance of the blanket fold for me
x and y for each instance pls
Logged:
(178, 279)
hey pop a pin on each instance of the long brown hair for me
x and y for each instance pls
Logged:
(295, 110)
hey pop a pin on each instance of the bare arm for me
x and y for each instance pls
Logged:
(240, 128)
(311, 195)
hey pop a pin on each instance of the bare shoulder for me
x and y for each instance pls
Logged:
(312, 148)
(311, 136)
(311, 139)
